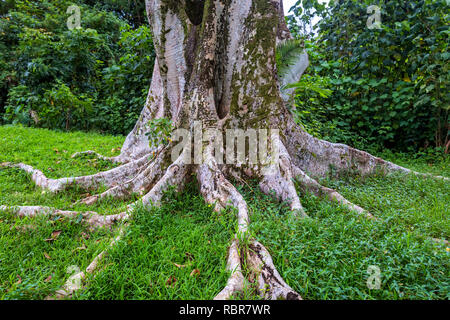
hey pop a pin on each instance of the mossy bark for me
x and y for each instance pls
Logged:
(216, 65)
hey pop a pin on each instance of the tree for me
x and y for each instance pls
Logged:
(216, 67)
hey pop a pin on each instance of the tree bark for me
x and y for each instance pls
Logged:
(216, 66)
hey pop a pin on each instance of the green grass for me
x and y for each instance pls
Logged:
(328, 255)
(323, 257)
(51, 151)
(184, 232)
(32, 266)
(24, 267)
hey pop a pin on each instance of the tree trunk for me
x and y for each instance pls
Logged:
(216, 70)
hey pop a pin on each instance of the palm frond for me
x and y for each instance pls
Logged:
(287, 53)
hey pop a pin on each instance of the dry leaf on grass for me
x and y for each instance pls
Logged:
(55, 235)
(180, 265)
(195, 272)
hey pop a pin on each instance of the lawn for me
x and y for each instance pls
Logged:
(178, 251)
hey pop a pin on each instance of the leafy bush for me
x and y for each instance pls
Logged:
(390, 85)
(125, 83)
(22, 103)
(94, 77)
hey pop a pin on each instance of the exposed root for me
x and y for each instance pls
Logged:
(278, 180)
(236, 282)
(74, 283)
(216, 189)
(175, 175)
(108, 178)
(93, 219)
(140, 184)
(270, 284)
(317, 156)
(323, 192)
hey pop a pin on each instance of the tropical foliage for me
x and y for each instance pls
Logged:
(93, 77)
(390, 84)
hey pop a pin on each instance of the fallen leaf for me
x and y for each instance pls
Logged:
(180, 265)
(47, 256)
(195, 272)
(55, 234)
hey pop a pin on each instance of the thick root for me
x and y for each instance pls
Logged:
(217, 190)
(236, 282)
(317, 189)
(93, 219)
(278, 180)
(140, 184)
(175, 175)
(318, 156)
(108, 178)
(53, 185)
(270, 283)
